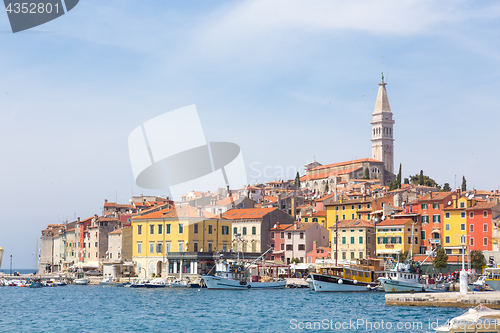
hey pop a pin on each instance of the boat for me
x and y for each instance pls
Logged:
(157, 283)
(107, 281)
(136, 284)
(34, 283)
(198, 283)
(231, 275)
(179, 284)
(479, 319)
(492, 278)
(407, 277)
(80, 278)
(361, 276)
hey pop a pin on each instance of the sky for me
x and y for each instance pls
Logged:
(288, 81)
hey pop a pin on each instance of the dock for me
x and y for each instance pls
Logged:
(455, 299)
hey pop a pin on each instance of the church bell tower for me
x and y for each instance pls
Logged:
(382, 129)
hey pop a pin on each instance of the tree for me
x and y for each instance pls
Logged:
(477, 260)
(295, 261)
(427, 181)
(403, 256)
(326, 187)
(397, 182)
(366, 175)
(464, 184)
(421, 178)
(446, 187)
(297, 181)
(407, 181)
(441, 260)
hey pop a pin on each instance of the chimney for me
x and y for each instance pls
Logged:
(458, 193)
(430, 195)
(78, 218)
(199, 212)
(295, 225)
(105, 200)
(277, 225)
(475, 192)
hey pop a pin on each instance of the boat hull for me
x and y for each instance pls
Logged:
(494, 284)
(395, 286)
(214, 282)
(327, 283)
(81, 282)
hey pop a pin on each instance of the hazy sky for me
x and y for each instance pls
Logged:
(288, 81)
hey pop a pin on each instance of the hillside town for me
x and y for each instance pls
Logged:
(345, 211)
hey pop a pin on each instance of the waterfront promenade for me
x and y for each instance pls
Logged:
(449, 299)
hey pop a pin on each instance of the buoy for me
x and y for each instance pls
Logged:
(355, 281)
(340, 281)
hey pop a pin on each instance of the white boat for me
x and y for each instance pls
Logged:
(157, 283)
(480, 319)
(232, 276)
(406, 277)
(107, 281)
(80, 278)
(179, 284)
(493, 278)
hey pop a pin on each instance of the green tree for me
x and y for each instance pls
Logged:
(446, 187)
(326, 187)
(421, 178)
(477, 260)
(441, 260)
(464, 184)
(407, 181)
(295, 261)
(403, 256)
(397, 182)
(366, 175)
(297, 181)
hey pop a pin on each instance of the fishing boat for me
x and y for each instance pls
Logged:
(492, 278)
(231, 275)
(156, 283)
(480, 319)
(407, 277)
(360, 276)
(80, 278)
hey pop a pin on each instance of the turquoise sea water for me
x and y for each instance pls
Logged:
(111, 309)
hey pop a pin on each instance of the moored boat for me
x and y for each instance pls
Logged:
(407, 277)
(107, 281)
(479, 319)
(493, 278)
(156, 283)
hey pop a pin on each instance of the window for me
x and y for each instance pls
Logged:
(139, 248)
(235, 231)
(359, 216)
(289, 247)
(423, 206)
(151, 229)
(471, 215)
(254, 247)
(272, 234)
(416, 240)
(361, 256)
(343, 240)
(301, 235)
(368, 206)
(159, 247)
(359, 207)
(447, 239)
(352, 216)
(471, 228)
(422, 234)
(210, 247)
(471, 241)
(447, 215)
(151, 247)
(352, 255)
(244, 230)
(282, 247)
(282, 235)
(210, 229)
(409, 239)
(352, 240)
(485, 241)
(160, 229)
(335, 240)
(167, 247)
(195, 228)
(462, 205)
(435, 205)
(180, 246)
(306, 219)
(485, 227)
(343, 207)
(462, 226)
(181, 228)
(289, 235)
(462, 215)
(352, 207)
(425, 218)
(254, 230)
(95, 244)
(195, 246)
(485, 213)
(448, 251)
(436, 218)
(344, 256)
(360, 240)
(139, 229)
(168, 228)
(302, 247)
(462, 239)
(343, 217)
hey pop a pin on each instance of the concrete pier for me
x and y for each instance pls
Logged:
(489, 298)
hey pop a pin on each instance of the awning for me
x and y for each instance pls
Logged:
(388, 251)
(86, 265)
(436, 231)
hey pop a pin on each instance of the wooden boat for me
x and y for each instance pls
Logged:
(480, 319)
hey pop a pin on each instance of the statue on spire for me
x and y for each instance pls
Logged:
(382, 77)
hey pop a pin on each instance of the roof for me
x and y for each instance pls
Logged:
(395, 222)
(436, 196)
(116, 232)
(368, 199)
(280, 226)
(319, 248)
(483, 205)
(302, 226)
(362, 160)
(322, 175)
(247, 213)
(356, 223)
(186, 211)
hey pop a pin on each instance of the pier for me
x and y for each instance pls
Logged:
(489, 298)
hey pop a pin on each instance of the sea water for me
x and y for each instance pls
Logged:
(95, 308)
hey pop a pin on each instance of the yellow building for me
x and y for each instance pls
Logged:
(175, 241)
(353, 239)
(455, 224)
(355, 209)
(397, 236)
(317, 217)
